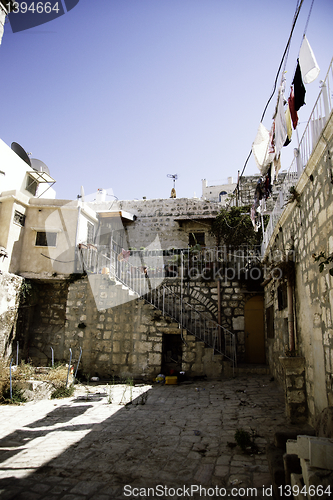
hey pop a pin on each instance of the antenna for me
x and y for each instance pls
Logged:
(20, 152)
(81, 195)
(173, 190)
(174, 177)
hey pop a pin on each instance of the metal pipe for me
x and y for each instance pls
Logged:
(10, 380)
(290, 316)
(52, 354)
(69, 365)
(78, 362)
(17, 353)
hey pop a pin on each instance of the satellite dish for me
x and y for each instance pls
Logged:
(39, 166)
(21, 153)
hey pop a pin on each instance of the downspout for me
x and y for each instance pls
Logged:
(290, 315)
(77, 236)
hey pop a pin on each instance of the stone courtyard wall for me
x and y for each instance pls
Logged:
(10, 287)
(124, 337)
(158, 219)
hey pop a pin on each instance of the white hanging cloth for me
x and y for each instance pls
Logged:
(281, 130)
(260, 149)
(2, 22)
(307, 61)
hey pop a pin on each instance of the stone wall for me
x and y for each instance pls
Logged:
(10, 287)
(304, 229)
(45, 326)
(166, 223)
(126, 338)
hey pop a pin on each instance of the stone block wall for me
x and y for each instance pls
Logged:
(10, 287)
(304, 229)
(46, 324)
(156, 223)
(124, 337)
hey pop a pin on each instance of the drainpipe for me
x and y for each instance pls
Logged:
(290, 316)
(77, 236)
(219, 318)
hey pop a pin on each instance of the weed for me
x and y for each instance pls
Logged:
(63, 392)
(246, 441)
(143, 398)
(17, 396)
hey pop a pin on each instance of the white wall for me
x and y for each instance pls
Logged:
(13, 174)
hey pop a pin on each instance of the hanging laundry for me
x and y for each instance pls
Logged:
(293, 112)
(277, 165)
(289, 127)
(280, 125)
(307, 61)
(2, 22)
(268, 183)
(261, 148)
(299, 89)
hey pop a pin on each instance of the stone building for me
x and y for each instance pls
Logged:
(299, 293)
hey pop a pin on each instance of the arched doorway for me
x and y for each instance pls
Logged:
(254, 330)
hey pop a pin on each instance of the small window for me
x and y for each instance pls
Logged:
(32, 185)
(282, 297)
(196, 239)
(270, 322)
(90, 232)
(46, 239)
(19, 218)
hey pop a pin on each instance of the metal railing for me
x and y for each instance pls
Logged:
(316, 123)
(128, 266)
(193, 321)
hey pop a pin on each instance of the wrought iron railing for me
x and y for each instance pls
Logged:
(317, 121)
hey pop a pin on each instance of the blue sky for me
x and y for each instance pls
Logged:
(119, 93)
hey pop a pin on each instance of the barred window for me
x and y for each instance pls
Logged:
(19, 218)
(46, 239)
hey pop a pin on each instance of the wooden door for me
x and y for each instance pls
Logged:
(254, 330)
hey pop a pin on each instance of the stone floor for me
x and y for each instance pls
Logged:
(171, 442)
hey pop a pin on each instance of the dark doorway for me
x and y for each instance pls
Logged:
(171, 354)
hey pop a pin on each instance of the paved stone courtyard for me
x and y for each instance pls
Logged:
(170, 439)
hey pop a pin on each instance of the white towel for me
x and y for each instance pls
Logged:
(307, 61)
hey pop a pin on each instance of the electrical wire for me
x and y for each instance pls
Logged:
(284, 59)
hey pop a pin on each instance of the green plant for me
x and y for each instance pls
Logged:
(63, 392)
(294, 196)
(16, 399)
(323, 261)
(233, 227)
(245, 440)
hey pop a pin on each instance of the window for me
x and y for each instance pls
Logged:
(19, 218)
(270, 322)
(46, 239)
(282, 297)
(32, 185)
(90, 232)
(196, 239)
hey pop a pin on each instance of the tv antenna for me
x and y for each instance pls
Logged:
(174, 177)
(81, 195)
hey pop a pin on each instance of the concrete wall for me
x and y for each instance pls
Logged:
(10, 286)
(305, 229)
